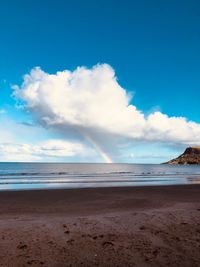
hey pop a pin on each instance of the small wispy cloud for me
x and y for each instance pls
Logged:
(45, 150)
(2, 111)
(26, 123)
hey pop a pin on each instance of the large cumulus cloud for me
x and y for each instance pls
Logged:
(92, 100)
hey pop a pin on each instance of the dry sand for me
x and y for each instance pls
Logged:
(143, 226)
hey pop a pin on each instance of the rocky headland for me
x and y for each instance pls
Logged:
(190, 156)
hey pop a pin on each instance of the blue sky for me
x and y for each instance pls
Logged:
(153, 47)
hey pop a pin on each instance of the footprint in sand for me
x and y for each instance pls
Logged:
(34, 261)
(107, 244)
(65, 227)
(22, 246)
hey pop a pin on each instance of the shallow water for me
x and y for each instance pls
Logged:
(64, 175)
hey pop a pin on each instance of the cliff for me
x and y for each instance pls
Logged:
(190, 156)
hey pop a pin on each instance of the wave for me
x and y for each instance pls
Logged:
(77, 182)
(68, 174)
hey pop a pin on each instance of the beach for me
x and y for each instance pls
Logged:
(125, 226)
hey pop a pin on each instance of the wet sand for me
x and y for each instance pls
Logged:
(134, 226)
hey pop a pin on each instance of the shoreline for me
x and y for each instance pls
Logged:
(97, 187)
(140, 226)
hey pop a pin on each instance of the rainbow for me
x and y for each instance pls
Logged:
(98, 148)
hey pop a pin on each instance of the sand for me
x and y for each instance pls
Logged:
(141, 226)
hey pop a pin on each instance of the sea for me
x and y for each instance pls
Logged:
(27, 176)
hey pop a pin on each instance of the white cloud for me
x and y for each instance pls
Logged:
(172, 129)
(92, 100)
(49, 149)
(2, 111)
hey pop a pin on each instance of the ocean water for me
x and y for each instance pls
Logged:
(15, 176)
